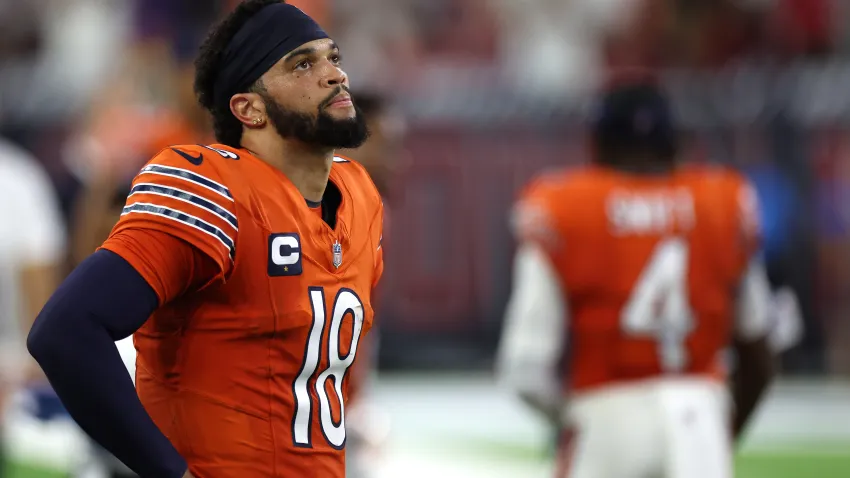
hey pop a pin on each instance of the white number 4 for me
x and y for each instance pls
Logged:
(659, 306)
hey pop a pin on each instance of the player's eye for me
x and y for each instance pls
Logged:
(302, 65)
(336, 59)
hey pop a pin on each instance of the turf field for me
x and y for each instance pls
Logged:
(460, 426)
(750, 465)
(21, 471)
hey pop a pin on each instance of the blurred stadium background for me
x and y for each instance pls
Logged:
(491, 92)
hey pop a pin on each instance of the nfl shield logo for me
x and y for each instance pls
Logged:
(337, 250)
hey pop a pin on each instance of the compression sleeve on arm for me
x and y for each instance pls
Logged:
(103, 300)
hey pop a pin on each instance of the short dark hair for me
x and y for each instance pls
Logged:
(634, 122)
(227, 128)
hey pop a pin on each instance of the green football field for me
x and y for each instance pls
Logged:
(823, 460)
(461, 427)
(751, 465)
(793, 465)
(29, 472)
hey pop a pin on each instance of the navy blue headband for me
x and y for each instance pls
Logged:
(265, 38)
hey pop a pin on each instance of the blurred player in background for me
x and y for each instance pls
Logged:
(32, 249)
(633, 276)
(382, 155)
(244, 268)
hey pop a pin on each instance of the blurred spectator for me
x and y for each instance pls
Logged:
(712, 34)
(553, 49)
(59, 52)
(121, 134)
(148, 104)
(32, 248)
(384, 56)
(804, 27)
(457, 31)
(175, 25)
(563, 49)
(53, 59)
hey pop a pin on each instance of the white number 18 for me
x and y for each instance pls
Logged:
(345, 303)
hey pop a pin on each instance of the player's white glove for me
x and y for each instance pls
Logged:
(787, 330)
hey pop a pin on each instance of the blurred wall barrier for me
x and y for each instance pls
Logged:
(806, 93)
(449, 259)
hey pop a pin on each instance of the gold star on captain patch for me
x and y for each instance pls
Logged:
(285, 268)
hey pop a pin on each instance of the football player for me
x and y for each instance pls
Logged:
(243, 269)
(649, 270)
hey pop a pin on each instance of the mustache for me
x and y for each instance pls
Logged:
(339, 89)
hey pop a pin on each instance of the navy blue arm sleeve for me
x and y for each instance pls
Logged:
(73, 339)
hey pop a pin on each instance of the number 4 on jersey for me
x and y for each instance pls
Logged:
(659, 306)
(346, 302)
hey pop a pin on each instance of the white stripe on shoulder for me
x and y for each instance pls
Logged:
(189, 176)
(187, 197)
(183, 218)
(338, 159)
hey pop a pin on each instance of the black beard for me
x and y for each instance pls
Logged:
(320, 130)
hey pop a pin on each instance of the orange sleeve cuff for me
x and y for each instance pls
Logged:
(170, 265)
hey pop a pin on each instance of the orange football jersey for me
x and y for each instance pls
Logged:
(247, 376)
(649, 266)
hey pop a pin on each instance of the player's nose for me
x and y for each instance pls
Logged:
(334, 77)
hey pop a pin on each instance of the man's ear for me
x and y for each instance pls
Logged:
(249, 109)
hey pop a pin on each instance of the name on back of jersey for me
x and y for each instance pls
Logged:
(650, 212)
